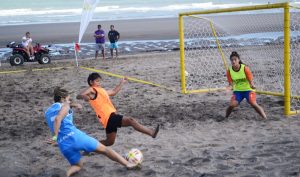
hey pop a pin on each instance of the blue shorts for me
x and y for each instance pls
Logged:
(113, 45)
(240, 95)
(71, 146)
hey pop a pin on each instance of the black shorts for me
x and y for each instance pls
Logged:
(114, 122)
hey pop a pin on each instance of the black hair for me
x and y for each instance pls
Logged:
(112, 26)
(59, 94)
(27, 32)
(99, 26)
(235, 54)
(92, 77)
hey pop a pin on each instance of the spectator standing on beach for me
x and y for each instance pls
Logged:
(27, 44)
(113, 37)
(100, 42)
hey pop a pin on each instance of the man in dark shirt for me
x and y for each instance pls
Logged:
(99, 36)
(113, 37)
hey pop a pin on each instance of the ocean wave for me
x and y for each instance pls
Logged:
(21, 12)
(114, 8)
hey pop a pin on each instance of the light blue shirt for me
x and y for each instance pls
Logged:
(66, 126)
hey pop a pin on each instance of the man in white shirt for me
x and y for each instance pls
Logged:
(27, 44)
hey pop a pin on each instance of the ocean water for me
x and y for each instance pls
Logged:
(18, 12)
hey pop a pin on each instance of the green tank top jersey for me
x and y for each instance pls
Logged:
(240, 82)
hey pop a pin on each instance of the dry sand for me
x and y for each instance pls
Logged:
(192, 141)
(138, 29)
(56, 33)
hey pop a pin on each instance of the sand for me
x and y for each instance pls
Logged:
(56, 33)
(193, 141)
(131, 30)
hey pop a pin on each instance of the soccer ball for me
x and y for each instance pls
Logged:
(135, 156)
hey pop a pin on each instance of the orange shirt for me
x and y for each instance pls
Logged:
(247, 72)
(102, 105)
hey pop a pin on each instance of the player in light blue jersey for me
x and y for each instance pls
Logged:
(71, 141)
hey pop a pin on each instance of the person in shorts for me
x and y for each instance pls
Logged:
(113, 37)
(106, 112)
(71, 140)
(27, 44)
(99, 36)
(240, 80)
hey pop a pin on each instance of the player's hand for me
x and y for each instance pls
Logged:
(51, 142)
(79, 106)
(252, 86)
(228, 89)
(124, 80)
(76, 105)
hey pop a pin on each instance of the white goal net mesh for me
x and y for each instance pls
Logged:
(258, 36)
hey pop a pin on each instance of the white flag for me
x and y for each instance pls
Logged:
(86, 16)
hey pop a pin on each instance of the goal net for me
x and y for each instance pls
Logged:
(267, 37)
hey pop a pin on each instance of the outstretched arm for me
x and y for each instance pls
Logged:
(117, 88)
(85, 94)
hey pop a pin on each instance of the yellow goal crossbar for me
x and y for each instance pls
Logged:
(285, 6)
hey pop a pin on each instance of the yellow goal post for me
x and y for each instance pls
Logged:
(267, 37)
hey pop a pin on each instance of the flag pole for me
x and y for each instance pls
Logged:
(75, 50)
(86, 16)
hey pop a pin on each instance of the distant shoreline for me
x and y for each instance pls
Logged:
(133, 30)
(61, 33)
(146, 35)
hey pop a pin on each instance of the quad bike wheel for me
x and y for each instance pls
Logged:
(16, 60)
(44, 59)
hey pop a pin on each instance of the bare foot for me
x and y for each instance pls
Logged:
(156, 131)
(265, 118)
(131, 166)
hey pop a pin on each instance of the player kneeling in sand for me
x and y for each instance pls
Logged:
(240, 80)
(71, 140)
(106, 112)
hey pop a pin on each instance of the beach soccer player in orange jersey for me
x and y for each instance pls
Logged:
(106, 112)
(241, 82)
